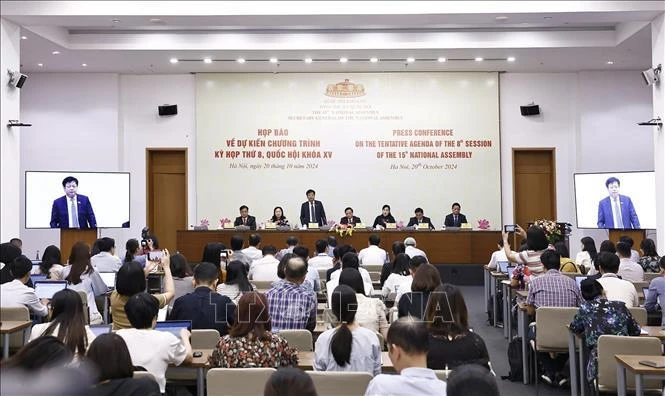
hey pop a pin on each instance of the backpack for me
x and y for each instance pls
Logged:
(490, 309)
(514, 360)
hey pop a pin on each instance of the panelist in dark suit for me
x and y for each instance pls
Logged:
(455, 219)
(349, 218)
(616, 211)
(245, 219)
(420, 218)
(311, 211)
(72, 210)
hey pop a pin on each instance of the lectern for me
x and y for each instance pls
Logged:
(637, 235)
(69, 236)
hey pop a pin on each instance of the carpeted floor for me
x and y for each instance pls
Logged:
(497, 347)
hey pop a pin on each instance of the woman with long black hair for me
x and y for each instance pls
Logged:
(347, 347)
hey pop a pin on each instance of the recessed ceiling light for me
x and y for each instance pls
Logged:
(240, 60)
(207, 60)
(478, 59)
(273, 60)
(115, 20)
(343, 60)
(501, 18)
(511, 59)
(55, 52)
(24, 37)
(40, 64)
(442, 59)
(610, 62)
(547, 17)
(84, 64)
(308, 60)
(155, 20)
(410, 60)
(373, 60)
(173, 60)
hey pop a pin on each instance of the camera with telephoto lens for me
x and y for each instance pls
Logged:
(145, 235)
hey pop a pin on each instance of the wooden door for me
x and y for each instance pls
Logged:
(166, 195)
(534, 185)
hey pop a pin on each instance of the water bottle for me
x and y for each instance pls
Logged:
(37, 256)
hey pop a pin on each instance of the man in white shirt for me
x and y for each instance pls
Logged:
(350, 260)
(499, 255)
(407, 348)
(265, 268)
(17, 294)
(253, 251)
(628, 269)
(106, 260)
(322, 259)
(405, 285)
(615, 289)
(411, 249)
(373, 254)
(149, 348)
(291, 242)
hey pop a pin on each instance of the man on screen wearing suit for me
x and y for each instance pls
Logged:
(349, 218)
(455, 219)
(420, 218)
(72, 210)
(311, 211)
(616, 211)
(245, 219)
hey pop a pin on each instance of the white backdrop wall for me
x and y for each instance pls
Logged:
(117, 113)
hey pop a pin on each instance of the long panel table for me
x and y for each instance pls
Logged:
(442, 247)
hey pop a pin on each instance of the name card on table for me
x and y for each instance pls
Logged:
(312, 226)
(466, 226)
(423, 226)
(359, 225)
(391, 226)
(228, 225)
(271, 226)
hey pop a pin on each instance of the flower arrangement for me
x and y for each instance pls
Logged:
(551, 228)
(204, 223)
(400, 225)
(223, 221)
(483, 224)
(342, 229)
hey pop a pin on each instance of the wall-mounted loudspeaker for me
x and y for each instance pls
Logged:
(168, 110)
(530, 110)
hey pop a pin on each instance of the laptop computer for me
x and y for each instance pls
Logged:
(174, 326)
(46, 289)
(509, 271)
(35, 267)
(503, 265)
(108, 278)
(579, 280)
(98, 330)
(37, 277)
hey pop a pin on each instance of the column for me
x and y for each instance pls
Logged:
(657, 57)
(10, 157)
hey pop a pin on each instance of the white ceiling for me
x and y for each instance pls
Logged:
(141, 36)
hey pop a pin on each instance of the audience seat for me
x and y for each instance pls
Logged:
(640, 315)
(262, 285)
(611, 345)
(649, 276)
(301, 340)
(551, 332)
(204, 338)
(143, 374)
(86, 309)
(237, 381)
(340, 383)
(373, 268)
(16, 340)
